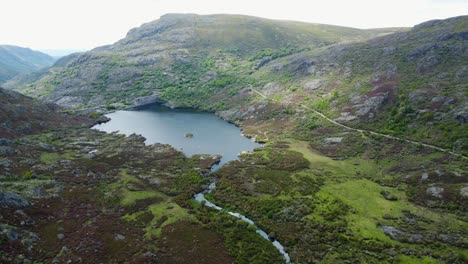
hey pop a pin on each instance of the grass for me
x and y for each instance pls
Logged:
(363, 196)
(169, 209)
(49, 158)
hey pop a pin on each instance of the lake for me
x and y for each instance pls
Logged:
(159, 124)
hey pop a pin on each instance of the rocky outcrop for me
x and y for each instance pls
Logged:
(12, 200)
(146, 100)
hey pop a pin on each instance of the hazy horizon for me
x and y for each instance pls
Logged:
(86, 24)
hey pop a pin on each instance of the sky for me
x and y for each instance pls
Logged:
(85, 24)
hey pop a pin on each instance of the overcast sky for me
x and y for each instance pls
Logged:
(85, 24)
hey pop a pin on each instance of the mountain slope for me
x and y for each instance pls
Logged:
(15, 60)
(180, 50)
(22, 115)
(412, 84)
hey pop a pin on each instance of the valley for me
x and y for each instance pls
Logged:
(360, 154)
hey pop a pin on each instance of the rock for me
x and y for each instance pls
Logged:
(388, 50)
(464, 191)
(21, 212)
(398, 235)
(102, 120)
(313, 85)
(389, 217)
(424, 176)
(461, 114)
(346, 116)
(155, 181)
(60, 236)
(391, 232)
(410, 221)
(415, 238)
(447, 238)
(12, 235)
(435, 191)
(151, 99)
(6, 163)
(6, 142)
(118, 237)
(46, 146)
(28, 222)
(189, 135)
(367, 105)
(272, 236)
(6, 151)
(332, 140)
(388, 196)
(443, 100)
(12, 200)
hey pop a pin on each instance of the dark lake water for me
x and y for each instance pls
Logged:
(159, 124)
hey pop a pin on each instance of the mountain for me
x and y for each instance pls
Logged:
(364, 158)
(15, 60)
(178, 50)
(394, 83)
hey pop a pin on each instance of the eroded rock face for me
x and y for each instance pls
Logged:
(12, 200)
(140, 101)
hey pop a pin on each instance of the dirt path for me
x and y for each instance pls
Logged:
(369, 131)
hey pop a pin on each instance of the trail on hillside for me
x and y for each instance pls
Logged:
(368, 131)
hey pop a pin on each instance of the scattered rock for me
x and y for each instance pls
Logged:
(401, 236)
(447, 238)
(391, 232)
(6, 163)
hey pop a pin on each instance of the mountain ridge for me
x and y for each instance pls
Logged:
(15, 60)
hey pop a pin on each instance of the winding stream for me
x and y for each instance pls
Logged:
(200, 197)
(209, 135)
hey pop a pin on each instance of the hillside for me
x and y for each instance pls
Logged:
(342, 178)
(179, 50)
(22, 115)
(411, 84)
(70, 193)
(16, 60)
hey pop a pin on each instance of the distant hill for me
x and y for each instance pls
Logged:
(15, 60)
(59, 53)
